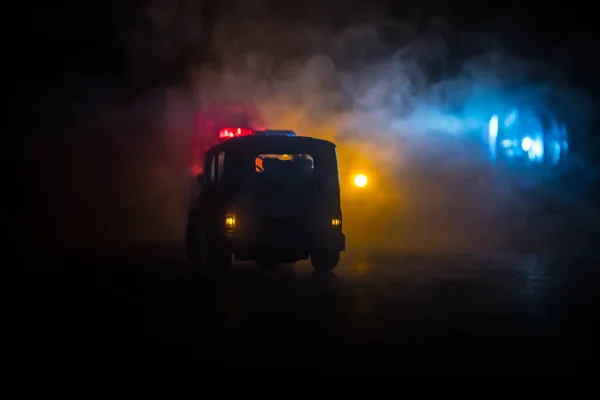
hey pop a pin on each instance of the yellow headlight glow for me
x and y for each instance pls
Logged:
(360, 180)
(230, 221)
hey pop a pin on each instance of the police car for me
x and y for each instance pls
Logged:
(267, 196)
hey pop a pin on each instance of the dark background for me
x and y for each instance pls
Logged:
(58, 44)
(76, 38)
(63, 53)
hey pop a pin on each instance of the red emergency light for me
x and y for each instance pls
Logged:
(228, 133)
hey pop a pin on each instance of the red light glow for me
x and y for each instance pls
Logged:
(228, 133)
(197, 169)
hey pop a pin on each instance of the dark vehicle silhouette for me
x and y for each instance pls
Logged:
(270, 197)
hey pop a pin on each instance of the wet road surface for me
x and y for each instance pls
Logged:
(433, 313)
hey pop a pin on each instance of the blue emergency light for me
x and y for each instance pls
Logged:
(276, 132)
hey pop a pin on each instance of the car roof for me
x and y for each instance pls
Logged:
(256, 141)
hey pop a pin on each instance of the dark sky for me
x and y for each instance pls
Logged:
(81, 36)
(58, 44)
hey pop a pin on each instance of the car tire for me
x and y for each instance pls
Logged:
(325, 261)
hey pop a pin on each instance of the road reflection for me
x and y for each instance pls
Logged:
(373, 306)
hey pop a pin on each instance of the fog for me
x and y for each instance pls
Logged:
(402, 108)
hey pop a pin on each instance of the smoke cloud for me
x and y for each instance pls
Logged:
(394, 97)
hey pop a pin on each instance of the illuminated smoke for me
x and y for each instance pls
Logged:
(398, 111)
